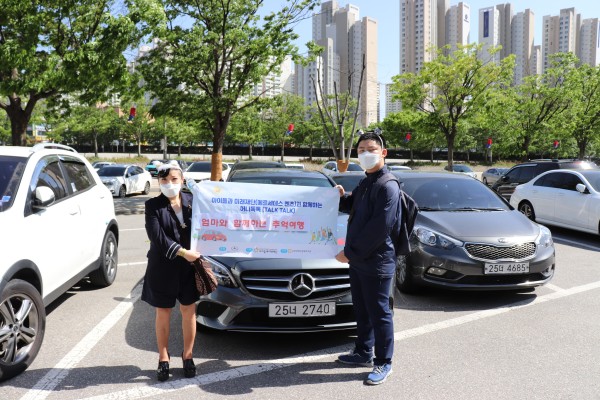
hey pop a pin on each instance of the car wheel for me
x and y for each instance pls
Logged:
(404, 278)
(527, 209)
(22, 326)
(107, 271)
(147, 188)
(485, 181)
(122, 192)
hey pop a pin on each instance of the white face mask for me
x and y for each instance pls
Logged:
(368, 160)
(170, 189)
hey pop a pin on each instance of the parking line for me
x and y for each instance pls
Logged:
(186, 383)
(44, 387)
(132, 229)
(133, 263)
(553, 287)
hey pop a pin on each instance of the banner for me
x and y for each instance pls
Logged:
(266, 221)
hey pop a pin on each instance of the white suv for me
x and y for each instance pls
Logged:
(58, 226)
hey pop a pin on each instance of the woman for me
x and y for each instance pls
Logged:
(169, 275)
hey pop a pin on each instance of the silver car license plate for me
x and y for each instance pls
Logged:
(296, 310)
(506, 268)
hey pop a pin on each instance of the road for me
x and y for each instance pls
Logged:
(100, 343)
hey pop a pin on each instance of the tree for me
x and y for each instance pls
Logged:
(50, 49)
(205, 70)
(583, 115)
(336, 111)
(452, 87)
(248, 127)
(284, 110)
(528, 114)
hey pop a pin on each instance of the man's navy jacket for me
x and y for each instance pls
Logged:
(373, 209)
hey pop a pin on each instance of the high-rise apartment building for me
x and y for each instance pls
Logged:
(522, 33)
(458, 25)
(346, 38)
(514, 34)
(391, 106)
(422, 25)
(589, 48)
(560, 34)
(489, 33)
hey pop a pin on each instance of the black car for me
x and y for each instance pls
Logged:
(250, 288)
(256, 164)
(524, 172)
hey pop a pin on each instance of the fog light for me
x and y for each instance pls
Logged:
(436, 271)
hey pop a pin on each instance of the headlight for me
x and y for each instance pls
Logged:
(222, 274)
(434, 239)
(544, 239)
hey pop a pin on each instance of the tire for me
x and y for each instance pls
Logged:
(404, 278)
(20, 298)
(485, 182)
(527, 209)
(107, 271)
(147, 188)
(122, 192)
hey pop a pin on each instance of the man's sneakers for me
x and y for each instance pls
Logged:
(353, 358)
(379, 374)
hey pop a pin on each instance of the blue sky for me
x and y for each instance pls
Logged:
(387, 14)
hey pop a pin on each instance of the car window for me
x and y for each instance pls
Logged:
(11, 171)
(310, 182)
(513, 175)
(554, 180)
(200, 167)
(441, 194)
(51, 176)
(348, 182)
(354, 167)
(224, 167)
(570, 182)
(527, 174)
(79, 175)
(111, 171)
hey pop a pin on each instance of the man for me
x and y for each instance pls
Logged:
(373, 208)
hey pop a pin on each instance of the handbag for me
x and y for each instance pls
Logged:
(206, 282)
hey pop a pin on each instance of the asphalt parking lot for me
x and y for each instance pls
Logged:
(100, 344)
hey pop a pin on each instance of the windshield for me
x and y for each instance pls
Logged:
(354, 167)
(199, 167)
(348, 182)
(462, 168)
(11, 171)
(433, 194)
(111, 171)
(275, 180)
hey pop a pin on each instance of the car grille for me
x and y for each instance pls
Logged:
(278, 284)
(488, 252)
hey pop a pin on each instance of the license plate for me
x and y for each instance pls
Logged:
(297, 310)
(506, 268)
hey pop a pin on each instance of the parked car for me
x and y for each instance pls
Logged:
(491, 175)
(524, 172)
(100, 164)
(392, 167)
(349, 179)
(152, 167)
(248, 286)
(331, 167)
(467, 238)
(122, 180)
(201, 170)
(59, 226)
(565, 198)
(251, 164)
(463, 169)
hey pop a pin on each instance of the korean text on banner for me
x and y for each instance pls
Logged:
(266, 221)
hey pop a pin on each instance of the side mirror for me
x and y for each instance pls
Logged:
(581, 188)
(43, 197)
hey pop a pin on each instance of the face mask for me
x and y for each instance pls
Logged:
(170, 189)
(368, 160)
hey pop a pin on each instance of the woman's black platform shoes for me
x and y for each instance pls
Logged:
(189, 368)
(162, 373)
